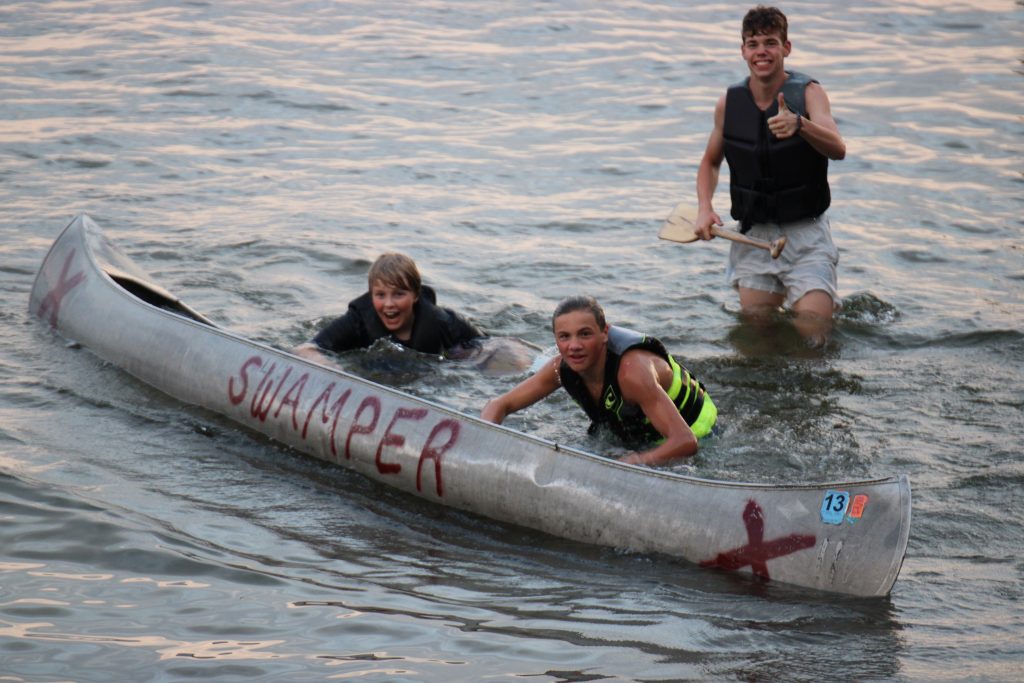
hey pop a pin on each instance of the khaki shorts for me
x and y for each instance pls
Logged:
(807, 263)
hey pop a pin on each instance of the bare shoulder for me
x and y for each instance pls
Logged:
(639, 366)
(815, 94)
(547, 379)
(636, 356)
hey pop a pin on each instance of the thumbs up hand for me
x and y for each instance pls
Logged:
(786, 123)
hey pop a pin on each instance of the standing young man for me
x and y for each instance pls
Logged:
(777, 132)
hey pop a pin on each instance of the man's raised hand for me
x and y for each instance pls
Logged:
(786, 123)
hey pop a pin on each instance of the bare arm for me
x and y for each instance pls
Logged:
(707, 174)
(639, 379)
(819, 129)
(532, 389)
(311, 351)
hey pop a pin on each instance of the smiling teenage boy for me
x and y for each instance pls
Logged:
(622, 379)
(777, 133)
(397, 306)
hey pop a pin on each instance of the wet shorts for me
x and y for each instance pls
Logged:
(807, 263)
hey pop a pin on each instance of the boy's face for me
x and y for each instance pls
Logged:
(394, 306)
(580, 340)
(764, 53)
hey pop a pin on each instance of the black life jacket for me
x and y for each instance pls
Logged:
(435, 329)
(627, 420)
(772, 180)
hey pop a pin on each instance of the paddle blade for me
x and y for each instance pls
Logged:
(679, 226)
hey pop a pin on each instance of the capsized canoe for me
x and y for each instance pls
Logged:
(845, 537)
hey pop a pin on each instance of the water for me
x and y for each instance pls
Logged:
(255, 157)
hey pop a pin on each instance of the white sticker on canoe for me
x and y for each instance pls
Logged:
(833, 506)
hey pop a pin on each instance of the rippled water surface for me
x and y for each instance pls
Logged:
(255, 157)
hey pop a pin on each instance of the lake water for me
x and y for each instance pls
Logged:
(256, 156)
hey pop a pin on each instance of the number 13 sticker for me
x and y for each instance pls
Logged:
(833, 506)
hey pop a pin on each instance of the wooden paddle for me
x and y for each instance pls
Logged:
(680, 226)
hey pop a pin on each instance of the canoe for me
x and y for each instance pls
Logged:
(843, 537)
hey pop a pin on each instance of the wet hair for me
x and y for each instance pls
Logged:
(764, 20)
(395, 270)
(579, 302)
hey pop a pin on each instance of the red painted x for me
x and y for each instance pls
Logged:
(64, 285)
(757, 552)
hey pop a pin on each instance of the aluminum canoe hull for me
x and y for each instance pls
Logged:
(844, 537)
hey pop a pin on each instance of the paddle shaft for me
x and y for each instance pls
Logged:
(739, 237)
(774, 247)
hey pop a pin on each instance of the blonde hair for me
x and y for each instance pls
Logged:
(396, 270)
